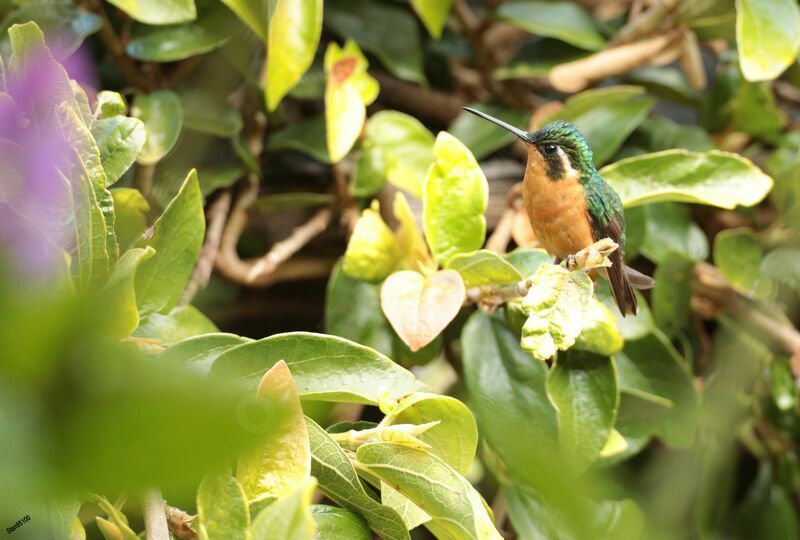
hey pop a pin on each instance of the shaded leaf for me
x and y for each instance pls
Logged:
(670, 229)
(335, 523)
(672, 295)
(412, 248)
(559, 19)
(738, 255)
(162, 115)
(178, 324)
(199, 352)
(209, 113)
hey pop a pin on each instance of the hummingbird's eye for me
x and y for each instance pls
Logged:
(550, 149)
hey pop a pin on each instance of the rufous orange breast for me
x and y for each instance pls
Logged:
(557, 208)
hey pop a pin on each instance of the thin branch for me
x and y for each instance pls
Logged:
(155, 518)
(217, 215)
(438, 106)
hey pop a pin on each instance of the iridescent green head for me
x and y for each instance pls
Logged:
(553, 142)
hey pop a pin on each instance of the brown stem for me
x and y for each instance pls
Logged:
(217, 214)
(501, 235)
(155, 518)
(438, 106)
(179, 523)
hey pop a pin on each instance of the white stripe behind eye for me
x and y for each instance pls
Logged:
(565, 162)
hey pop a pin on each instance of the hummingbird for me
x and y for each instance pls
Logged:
(569, 204)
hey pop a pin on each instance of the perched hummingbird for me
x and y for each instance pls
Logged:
(569, 204)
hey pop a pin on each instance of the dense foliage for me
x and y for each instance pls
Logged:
(464, 384)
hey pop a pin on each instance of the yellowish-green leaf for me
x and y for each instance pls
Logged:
(600, 334)
(130, 209)
(177, 237)
(222, 508)
(162, 115)
(158, 11)
(372, 252)
(616, 444)
(716, 178)
(180, 323)
(412, 249)
(254, 13)
(294, 30)
(119, 140)
(283, 460)
(433, 13)
(738, 254)
(338, 481)
(120, 316)
(348, 90)
(419, 308)
(110, 104)
(456, 509)
(456, 196)
(334, 523)
(483, 267)
(768, 37)
(288, 518)
(555, 305)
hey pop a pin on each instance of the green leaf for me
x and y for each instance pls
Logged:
(325, 368)
(222, 508)
(109, 104)
(433, 13)
(339, 482)
(738, 255)
(90, 251)
(507, 393)
(348, 90)
(783, 265)
(583, 387)
(214, 26)
(537, 58)
(483, 267)
(388, 32)
(528, 260)
(402, 146)
(672, 296)
(179, 324)
(64, 521)
(254, 13)
(667, 82)
(483, 138)
(651, 369)
(283, 460)
(208, 113)
(66, 25)
(670, 229)
(130, 209)
(768, 37)
(294, 31)
(755, 110)
(119, 314)
(599, 334)
(162, 115)
(158, 11)
(353, 311)
(410, 242)
(199, 352)
(782, 386)
(339, 524)
(456, 509)
(559, 19)
(177, 238)
(660, 133)
(307, 136)
(555, 306)
(716, 178)
(369, 177)
(372, 251)
(119, 140)
(592, 111)
(456, 196)
(767, 510)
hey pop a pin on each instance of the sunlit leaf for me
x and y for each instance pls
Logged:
(420, 307)
(599, 333)
(483, 267)
(198, 353)
(433, 13)
(372, 250)
(456, 196)
(717, 178)
(294, 30)
(158, 11)
(254, 13)
(222, 508)
(130, 208)
(768, 37)
(162, 115)
(119, 139)
(336, 523)
(120, 315)
(413, 250)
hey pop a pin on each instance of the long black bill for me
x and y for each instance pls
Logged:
(516, 131)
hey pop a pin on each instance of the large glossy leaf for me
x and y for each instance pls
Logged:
(738, 254)
(593, 111)
(307, 136)
(158, 11)
(178, 324)
(282, 461)
(215, 24)
(334, 523)
(177, 238)
(456, 509)
(198, 353)
(288, 518)
(372, 251)
(254, 13)
(325, 368)
(433, 13)
(650, 368)
(560, 19)
(583, 387)
(456, 196)
(599, 333)
(222, 508)
(348, 90)
(162, 115)
(717, 178)
(209, 113)
(119, 139)
(483, 138)
(783, 265)
(389, 32)
(483, 267)
(120, 315)
(294, 30)
(420, 307)
(670, 228)
(338, 481)
(767, 36)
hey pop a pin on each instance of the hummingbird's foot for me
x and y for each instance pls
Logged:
(571, 261)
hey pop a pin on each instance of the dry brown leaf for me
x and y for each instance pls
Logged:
(419, 308)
